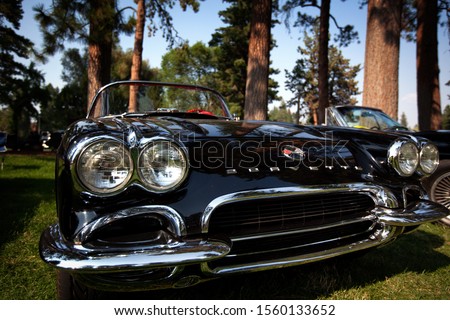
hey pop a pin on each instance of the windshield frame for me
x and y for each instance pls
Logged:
(104, 107)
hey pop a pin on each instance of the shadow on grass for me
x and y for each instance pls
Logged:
(414, 253)
(25, 167)
(20, 197)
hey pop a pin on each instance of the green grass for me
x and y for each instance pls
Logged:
(26, 208)
(416, 266)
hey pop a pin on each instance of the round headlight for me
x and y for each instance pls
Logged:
(104, 166)
(162, 165)
(403, 156)
(429, 158)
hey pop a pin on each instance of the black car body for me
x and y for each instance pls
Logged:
(175, 194)
(3, 137)
(437, 184)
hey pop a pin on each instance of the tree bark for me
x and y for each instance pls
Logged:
(137, 53)
(323, 61)
(428, 91)
(100, 41)
(382, 55)
(256, 93)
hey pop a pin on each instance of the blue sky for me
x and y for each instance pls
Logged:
(199, 27)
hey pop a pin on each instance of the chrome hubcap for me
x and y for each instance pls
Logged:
(440, 190)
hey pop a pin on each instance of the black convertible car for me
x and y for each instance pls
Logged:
(159, 187)
(437, 185)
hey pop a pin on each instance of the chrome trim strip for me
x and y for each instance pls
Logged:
(59, 253)
(371, 217)
(381, 196)
(385, 236)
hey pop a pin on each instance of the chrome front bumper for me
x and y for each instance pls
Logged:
(80, 256)
(71, 257)
(58, 252)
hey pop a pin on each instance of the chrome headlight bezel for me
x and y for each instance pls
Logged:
(162, 165)
(429, 158)
(102, 159)
(403, 157)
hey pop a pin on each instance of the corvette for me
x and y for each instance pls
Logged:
(160, 187)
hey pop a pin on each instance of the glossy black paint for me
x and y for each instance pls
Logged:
(216, 146)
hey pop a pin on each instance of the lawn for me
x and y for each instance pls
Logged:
(416, 266)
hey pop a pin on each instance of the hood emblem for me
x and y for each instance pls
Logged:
(293, 153)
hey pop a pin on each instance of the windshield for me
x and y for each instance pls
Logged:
(368, 119)
(134, 98)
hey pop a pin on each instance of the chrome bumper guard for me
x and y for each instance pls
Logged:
(57, 252)
(422, 212)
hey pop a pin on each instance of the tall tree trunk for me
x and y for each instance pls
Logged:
(256, 92)
(137, 53)
(428, 94)
(323, 61)
(101, 19)
(382, 55)
(94, 82)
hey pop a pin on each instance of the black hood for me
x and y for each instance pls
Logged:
(321, 144)
(219, 129)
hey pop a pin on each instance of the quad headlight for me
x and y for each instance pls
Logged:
(104, 166)
(429, 158)
(403, 156)
(162, 165)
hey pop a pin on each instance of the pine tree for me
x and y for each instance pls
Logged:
(232, 41)
(156, 9)
(344, 37)
(382, 55)
(302, 80)
(12, 45)
(90, 21)
(446, 118)
(404, 120)
(428, 92)
(20, 85)
(258, 61)
(194, 64)
(96, 23)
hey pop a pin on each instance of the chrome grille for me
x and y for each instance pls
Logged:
(274, 227)
(287, 213)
